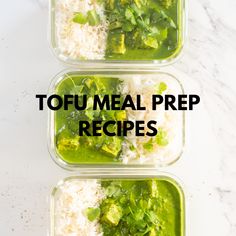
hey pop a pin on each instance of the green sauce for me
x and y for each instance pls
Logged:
(143, 30)
(86, 149)
(152, 207)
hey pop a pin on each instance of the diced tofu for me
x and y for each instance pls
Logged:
(117, 43)
(106, 148)
(113, 214)
(113, 147)
(68, 144)
(151, 42)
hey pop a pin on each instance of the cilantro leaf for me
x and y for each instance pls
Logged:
(80, 18)
(161, 138)
(130, 16)
(148, 145)
(93, 213)
(162, 87)
(93, 18)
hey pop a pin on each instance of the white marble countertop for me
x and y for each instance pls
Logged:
(208, 165)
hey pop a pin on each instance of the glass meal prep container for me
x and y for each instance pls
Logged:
(146, 204)
(116, 146)
(124, 32)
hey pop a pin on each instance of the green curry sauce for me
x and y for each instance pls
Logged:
(152, 207)
(86, 149)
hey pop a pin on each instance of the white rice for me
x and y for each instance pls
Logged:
(80, 41)
(170, 121)
(71, 200)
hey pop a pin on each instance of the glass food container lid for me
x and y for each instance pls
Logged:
(143, 204)
(111, 121)
(117, 31)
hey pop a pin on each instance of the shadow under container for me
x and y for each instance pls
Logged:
(83, 153)
(129, 35)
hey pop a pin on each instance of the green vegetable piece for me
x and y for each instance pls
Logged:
(166, 21)
(161, 88)
(113, 190)
(123, 2)
(156, 17)
(148, 145)
(152, 232)
(90, 113)
(113, 147)
(161, 138)
(143, 204)
(121, 115)
(138, 214)
(132, 198)
(162, 34)
(127, 27)
(93, 18)
(154, 31)
(130, 16)
(143, 24)
(88, 82)
(172, 23)
(93, 213)
(115, 25)
(113, 214)
(153, 217)
(77, 90)
(110, 4)
(153, 188)
(80, 18)
(151, 42)
(166, 3)
(99, 85)
(65, 144)
(137, 40)
(117, 43)
(137, 10)
(138, 3)
(132, 147)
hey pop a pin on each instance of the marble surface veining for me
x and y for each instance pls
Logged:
(207, 169)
